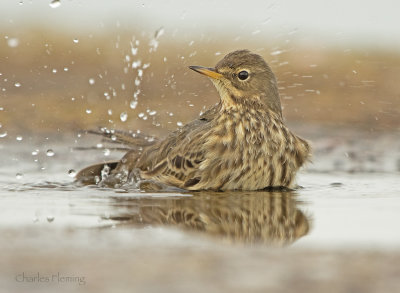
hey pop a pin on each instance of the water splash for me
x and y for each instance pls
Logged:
(50, 218)
(154, 43)
(55, 3)
(123, 116)
(105, 172)
(50, 153)
(13, 42)
(133, 104)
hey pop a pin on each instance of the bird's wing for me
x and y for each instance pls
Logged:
(176, 159)
(181, 164)
(130, 139)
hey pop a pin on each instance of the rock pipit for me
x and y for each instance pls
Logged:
(241, 143)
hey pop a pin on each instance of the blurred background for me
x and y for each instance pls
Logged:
(72, 65)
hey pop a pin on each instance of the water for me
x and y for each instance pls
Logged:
(338, 222)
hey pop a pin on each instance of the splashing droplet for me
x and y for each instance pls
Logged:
(55, 3)
(133, 104)
(106, 152)
(71, 173)
(159, 33)
(123, 116)
(13, 42)
(50, 153)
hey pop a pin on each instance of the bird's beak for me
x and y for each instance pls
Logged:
(210, 72)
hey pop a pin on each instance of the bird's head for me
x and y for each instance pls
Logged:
(243, 78)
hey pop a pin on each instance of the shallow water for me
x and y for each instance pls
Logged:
(42, 210)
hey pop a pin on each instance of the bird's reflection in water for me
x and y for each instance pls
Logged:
(248, 217)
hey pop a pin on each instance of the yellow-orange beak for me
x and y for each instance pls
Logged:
(210, 72)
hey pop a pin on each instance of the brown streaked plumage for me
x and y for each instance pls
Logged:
(241, 143)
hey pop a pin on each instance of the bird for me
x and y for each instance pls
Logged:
(240, 143)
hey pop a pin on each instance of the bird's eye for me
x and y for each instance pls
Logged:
(243, 75)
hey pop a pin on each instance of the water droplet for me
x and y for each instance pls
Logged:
(179, 123)
(151, 113)
(50, 218)
(50, 153)
(123, 116)
(106, 152)
(19, 176)
(92, 81)
(71, 173)
(134, 51)
(13, 42)
(35, 152)
(35, 219)
(88, 111)
(17, 84)
(3, 134)
(19, 138)
(133, 104)
(109, 112)
(276, 52)
(140, 115)
(54, 70)
(66, 69)
(159, 33)
(336, 184)
(55, 3)
(136, 64)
